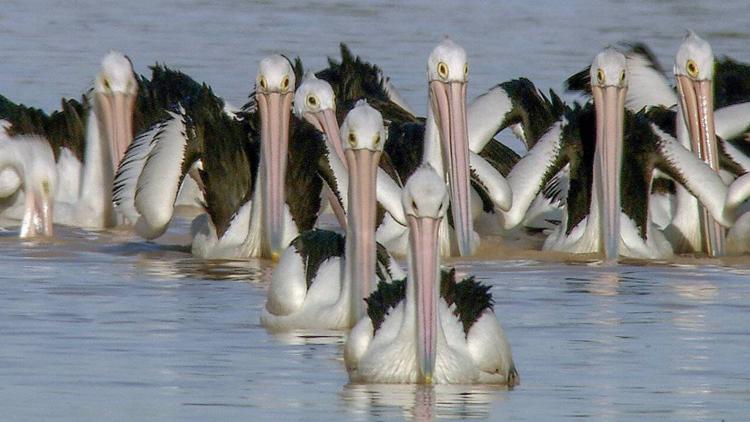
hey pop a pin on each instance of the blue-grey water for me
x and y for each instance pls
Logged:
(104, 326)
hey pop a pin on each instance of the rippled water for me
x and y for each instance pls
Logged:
(103, 326)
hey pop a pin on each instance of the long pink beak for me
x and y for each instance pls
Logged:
(697, 100)
(115, 113)
(37, 218)
(449, 103)
(360, 232)
(610, 107)
(275, 112)
(325, 121)
(425, 270)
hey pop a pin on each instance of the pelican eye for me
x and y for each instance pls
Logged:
(442, 70)
(285, 83)
(105, 82)
(466, 70)
(600, 76)
(262, 82)
(414, 205)
(45, 187)
(312, 101)
(622, 76)
(352, 139)
(692, 69)
(377, 139)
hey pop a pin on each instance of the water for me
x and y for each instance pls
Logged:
(104, 326)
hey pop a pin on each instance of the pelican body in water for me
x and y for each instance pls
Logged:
(103, 122)
(612, 157)
(428, 328)
(322, 279)
(30, 159)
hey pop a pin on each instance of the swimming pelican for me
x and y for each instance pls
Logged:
(612, 157)
(103, 122)
(429, 328)
(322, 279)
(32, 161)
(248, 161)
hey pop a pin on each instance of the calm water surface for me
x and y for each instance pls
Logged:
(103, 326)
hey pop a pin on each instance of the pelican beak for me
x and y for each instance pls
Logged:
(115, 113)
(360, 232)
(697, 100)
(275, 112)
(325, 121)
(449, 103)
(610, 108)
(423, 257)
(38, 216)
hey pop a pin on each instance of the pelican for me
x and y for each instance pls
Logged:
(259, 187)
(316, 103)
(612, 157)
(428, 328)
(440, 139)
(321, 280)
(103, 122)
(31, 160)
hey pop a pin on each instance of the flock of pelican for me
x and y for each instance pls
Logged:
(640, 170)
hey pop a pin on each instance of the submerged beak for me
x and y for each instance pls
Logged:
(610, 107)
(449, 103)
(38, 216)
(697, 100)
(325, 121)
(423, 256)
(275, 112)
(115, 113)
(360, 232)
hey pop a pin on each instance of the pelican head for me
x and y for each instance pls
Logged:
(115, 92)
(33, 160)
(609, 81)
(315, 102)
(694, 72)
(364, 135)
(448, 72)
(274, 91)
(425, 200)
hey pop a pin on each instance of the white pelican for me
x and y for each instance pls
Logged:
(610, 176)
(104, 123)
(428, 328)
(31, 160)
(321, 280)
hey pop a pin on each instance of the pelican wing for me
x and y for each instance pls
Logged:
(353, 79)
(731, 82)
(515, 103)
(533, 171)
(492, 182)
(230, 164)
(65, 128)
(163, 164)
(404, 148)
(684, 167)
(647, 85)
